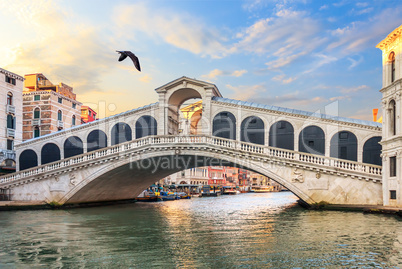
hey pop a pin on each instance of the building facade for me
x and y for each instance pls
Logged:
(391, 141)
(87, 114)
(11, 86)
(47, 107)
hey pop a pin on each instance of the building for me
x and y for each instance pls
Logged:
(47, 107)
(217, 175)
(192, 176)
(391, 140)
(11, 86)
(87, 114)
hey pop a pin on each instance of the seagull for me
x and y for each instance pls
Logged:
(124, 54)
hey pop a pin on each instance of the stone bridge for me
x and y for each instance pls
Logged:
(317, 156)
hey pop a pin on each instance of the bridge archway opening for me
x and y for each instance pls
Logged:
(224, 125)
(344, 146)
(312, 140)
(252, 130)
(121, 132)
(185, 112)
(28, 159)
(372, 151)
(281, 135)
(73, 146)
(50, 153)
(96, 139)
(144, 126)
(126, 180)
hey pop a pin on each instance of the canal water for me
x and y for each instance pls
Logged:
(267, 230)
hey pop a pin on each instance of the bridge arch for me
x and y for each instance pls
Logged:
(281, 135)
(312, 140)
(372, 151)
(28, 159)
(343, 145)
(50, 152)
(104, 182)
(73, 146)
(121, 132)
(96, 139)
(145, 126)
(224, 125)
(252, 130)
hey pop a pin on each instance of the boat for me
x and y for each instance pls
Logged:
(210, 191)
(229, 190)
(262, 188)
(148, 196)
(169, 196)
(184, 195)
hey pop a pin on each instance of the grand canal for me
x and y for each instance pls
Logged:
(244, 231)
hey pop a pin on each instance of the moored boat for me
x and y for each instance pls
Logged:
(148, 196)
(262, 188)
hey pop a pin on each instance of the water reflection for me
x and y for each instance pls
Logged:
(248, 230)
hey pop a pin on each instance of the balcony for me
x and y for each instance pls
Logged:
(10, 132)
(60, 124)
(36, 122)
(10, 109)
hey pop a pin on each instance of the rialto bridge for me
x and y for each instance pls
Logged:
(316, 156)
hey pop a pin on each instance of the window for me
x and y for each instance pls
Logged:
(392, 118)
(392, 166)
(10, 144)
(89, 113)
(392, 195)
(392, 59)
(74, 105)
(60, 100)
(10, 80)
(36, 97)
(343, 153)
(9, 98)
(73, 120)
(10, 122)
(36, 113)
(343, 135)
(36, 132)
(59, 115)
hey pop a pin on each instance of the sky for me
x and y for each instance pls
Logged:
(300, 54)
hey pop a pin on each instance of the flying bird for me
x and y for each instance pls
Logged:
(124, 54)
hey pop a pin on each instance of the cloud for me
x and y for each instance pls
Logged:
(355, 89)
(354, 63)
(246, 92)
(216, 72)
(324, 7)
(145, 78)
(281, 78)
(280, 36)
(360, 35)
(177, 29)
(322, 60)
(75, 54)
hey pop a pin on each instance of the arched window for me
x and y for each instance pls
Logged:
(224, 125)
(9, 99)
(10, 121)
(96, 139)
(36, 132)
(392, 119)
(252, 130)
(121, 132)
(392, 60)
(50, 153)
(344, 146)
(372, 151)
(281, 135)
(146, 125)
(28, 159)
(59, 115)
(73, 146)
(73, 120)
(312, 140)
(37, 113)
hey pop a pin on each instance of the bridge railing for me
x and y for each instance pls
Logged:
(194, 140)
